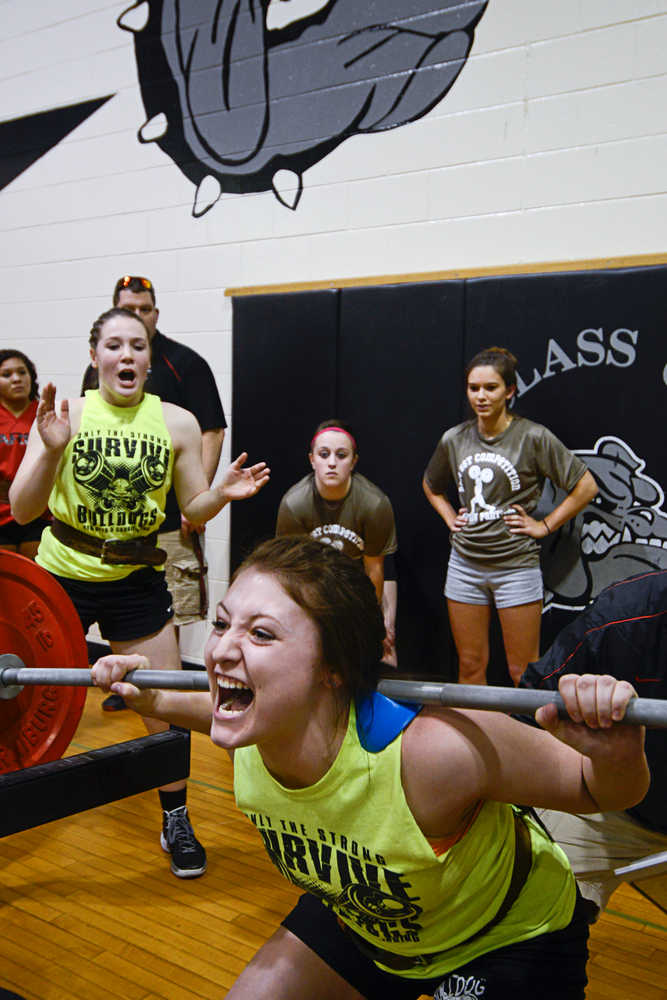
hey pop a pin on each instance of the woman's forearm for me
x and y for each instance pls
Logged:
(204, 506)
(187, 709)
(440, 504)
(575, 501)
(619, 784)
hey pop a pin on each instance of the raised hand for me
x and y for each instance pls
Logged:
(520, 523)
(54, 428)
(239, 483)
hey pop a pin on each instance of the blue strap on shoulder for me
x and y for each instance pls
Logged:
(380, 720)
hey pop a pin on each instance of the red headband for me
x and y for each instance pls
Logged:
(339, 430)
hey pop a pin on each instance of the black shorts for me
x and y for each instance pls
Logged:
(15, 534)
(551, 967)
(131, 608)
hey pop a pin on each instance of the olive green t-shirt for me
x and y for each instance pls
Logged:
(361, 524)
(493, 475)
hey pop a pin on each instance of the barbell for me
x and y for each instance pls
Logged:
(14, 677)
(650, 712)
(41, 705)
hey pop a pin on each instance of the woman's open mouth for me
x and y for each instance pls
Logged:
(127, 376)
(233, 696)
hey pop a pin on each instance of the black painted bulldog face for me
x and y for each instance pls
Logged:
(623, 531)
(244, 95)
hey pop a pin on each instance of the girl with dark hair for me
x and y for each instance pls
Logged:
(340, 507)
(18, 405)
(498, 462)
(105, 464)
(420, 875)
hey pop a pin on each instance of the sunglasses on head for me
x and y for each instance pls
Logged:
(127, 280)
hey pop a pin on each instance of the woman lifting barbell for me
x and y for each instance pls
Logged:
(420, 873)
(104, 465)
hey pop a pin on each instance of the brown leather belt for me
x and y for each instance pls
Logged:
(141, 551)
(203, 570)
(523, 859)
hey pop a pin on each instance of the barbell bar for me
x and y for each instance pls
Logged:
(650, 712)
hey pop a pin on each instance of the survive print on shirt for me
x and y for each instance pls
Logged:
(374, 898)
(352, 841)
(116, 473)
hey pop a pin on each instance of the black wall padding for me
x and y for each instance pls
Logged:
(284, 378)
(399, 367)
(592, 359)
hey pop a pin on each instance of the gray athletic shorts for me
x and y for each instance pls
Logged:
(474, 583)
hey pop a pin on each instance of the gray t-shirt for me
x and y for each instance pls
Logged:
(492, 475)
(361, 524)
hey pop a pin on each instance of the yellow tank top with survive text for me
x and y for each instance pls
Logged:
(352, 841)
(112, 482)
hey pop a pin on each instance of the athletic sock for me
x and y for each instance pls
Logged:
(172, 800)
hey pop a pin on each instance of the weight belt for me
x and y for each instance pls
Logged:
(141, 551)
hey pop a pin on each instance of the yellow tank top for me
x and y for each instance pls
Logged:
(112, 482)
(352, 841)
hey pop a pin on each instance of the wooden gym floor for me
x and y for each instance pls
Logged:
(90, 910)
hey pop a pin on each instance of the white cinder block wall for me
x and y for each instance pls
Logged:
(551, 146)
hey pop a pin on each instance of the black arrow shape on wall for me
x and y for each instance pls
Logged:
(24, 140)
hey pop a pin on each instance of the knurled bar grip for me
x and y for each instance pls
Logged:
(651, 712)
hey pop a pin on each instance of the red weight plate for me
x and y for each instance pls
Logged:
(39, 624)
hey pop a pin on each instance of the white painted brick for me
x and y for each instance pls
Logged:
(193, 639)
(650, 45)
(475, 189)
(488, 80)
(618, 111)
(606, 171)
(596, 13)
(581, 61)
(512, 23)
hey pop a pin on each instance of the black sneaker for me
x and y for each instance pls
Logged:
(188, 857)
(114, 703)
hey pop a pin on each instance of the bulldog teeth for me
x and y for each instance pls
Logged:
(208, 193)
(135, 18)
(154, 128)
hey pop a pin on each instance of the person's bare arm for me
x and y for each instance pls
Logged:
(211, 448)
(453, 759)
(374, 568)
(454, 521)
(520, 523)
(189, 709)
(198, 501)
